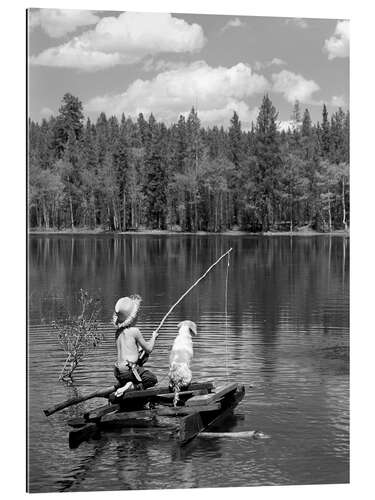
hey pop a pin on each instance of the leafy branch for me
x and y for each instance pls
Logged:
(76, 334)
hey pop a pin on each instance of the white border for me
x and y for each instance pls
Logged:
(362, 248)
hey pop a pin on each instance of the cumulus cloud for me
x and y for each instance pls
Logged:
(294, 87)
(338, 101)
(46, 112)
(59, 22)
(276, 61)
(216, 91)
(298, 22)
(233, 23)
(338, 44)
(125, 39)
(285, 125)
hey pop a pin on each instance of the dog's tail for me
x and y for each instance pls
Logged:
(176, 398)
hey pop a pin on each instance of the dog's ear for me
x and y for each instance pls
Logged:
(193, 327)
(190, 324)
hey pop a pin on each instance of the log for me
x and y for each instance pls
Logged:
(213, 396)
(99, 393)
(236, 435)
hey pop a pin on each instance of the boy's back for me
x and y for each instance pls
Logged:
(127, 346)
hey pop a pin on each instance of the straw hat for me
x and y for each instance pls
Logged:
(126, 310)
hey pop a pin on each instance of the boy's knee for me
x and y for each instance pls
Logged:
(149, 379)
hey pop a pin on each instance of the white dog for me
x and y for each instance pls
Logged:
(180, 358)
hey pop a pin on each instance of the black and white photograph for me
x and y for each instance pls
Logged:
(188, 250)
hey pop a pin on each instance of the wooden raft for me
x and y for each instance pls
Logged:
(199, 408)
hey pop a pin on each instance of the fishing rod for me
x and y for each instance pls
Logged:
(190, 289)
(105, 392)
(143, 356)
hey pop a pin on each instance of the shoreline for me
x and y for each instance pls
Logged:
(167, 232)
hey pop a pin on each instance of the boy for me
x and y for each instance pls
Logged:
(130, 343)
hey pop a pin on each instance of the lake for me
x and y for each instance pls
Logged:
(286, 338)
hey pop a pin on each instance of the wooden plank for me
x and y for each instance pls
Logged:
(228, 405)
(77, 422)
(192, 425)
(154, 391)
(96, 414)
(169, 396)
(181, 411)
(136, 419)
(134, 397)
(213, 396)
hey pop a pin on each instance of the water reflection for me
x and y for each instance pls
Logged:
(288, 336)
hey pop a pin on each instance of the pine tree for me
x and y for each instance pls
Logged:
(142, 129)
(121, 155)
(325, 134)
(296, 114)
(155, 182)
(268, 163)
(236, 153)
(306, 124)
(89, 176)
(69, 122)
(102, 136)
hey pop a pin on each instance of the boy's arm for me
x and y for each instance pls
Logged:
(146, 346)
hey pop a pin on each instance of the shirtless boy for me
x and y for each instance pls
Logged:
(130, 343)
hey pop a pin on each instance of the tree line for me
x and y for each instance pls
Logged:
(134, 174)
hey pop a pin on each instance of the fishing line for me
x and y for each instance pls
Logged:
(226, 318)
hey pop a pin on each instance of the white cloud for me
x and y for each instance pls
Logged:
(46, 112)
(233, 23)
(222, 116)
(125, 39)
(338, 101)
(285, 125)
(294, 87)
(338, 44)
(297, 21)
(71, 56)
(58, 22)
(276, 61)
(217, 92)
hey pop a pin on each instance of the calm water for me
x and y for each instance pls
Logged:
(287, 337)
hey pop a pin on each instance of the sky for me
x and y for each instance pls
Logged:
(127, 62)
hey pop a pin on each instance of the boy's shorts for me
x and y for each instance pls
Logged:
(148, 378)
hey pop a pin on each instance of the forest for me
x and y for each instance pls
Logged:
(141, 174)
